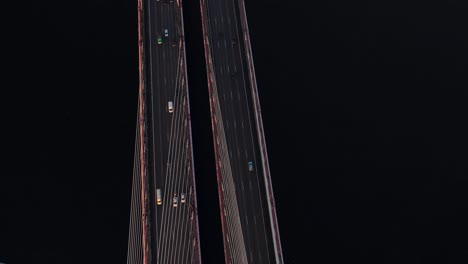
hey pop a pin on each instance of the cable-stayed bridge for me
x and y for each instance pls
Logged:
(164, 220)
(248, 212)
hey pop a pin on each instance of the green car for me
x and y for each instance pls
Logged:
(159, 40)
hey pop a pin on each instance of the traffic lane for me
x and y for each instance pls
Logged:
(158, 106)
(223, 97)
(162, 86)
(168, 24)
(238, 115)
(254, 150)
(259, 188)
(173, 213)
(161, 108)
(241, 157)
(178, 216)
(179, 137)
(159, 97)
(179, 175)
(228, 116)
(162, 103)
(169, 223)
(245, 178)
(227, 120)
(163, 89)
(182, 219)
(247, 134)
(258, 180)
(156, 159)
(184, 240)
(251, 178)
(232, 150)
(238, 164)
(228, 196)
(174, 177)
(262, 213)
(170, 65)
(248, 179)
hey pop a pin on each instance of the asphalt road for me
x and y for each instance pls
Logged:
(232, 86)
(170, 169)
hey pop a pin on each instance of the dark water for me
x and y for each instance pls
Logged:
(364, 109)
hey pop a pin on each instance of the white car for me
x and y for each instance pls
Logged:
(182, 197)
(251, 166)
(166, 32)
(170, 106)
(175, 201)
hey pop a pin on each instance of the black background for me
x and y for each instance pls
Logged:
(364, 107)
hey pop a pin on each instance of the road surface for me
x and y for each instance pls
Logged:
(236, 137)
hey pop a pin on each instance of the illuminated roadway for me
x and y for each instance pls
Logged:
(167, 233)
(247, 207)
(171, 232)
